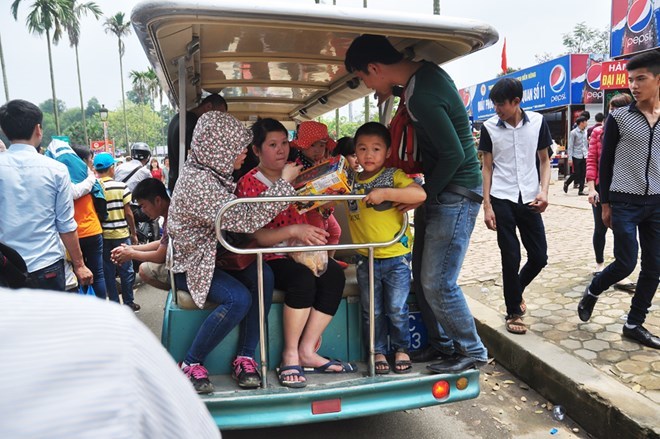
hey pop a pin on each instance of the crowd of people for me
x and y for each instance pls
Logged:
(53, 204)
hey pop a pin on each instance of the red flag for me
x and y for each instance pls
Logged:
(504, 66)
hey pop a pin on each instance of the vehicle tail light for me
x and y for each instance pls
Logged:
(327, 406)
(462, 383)
(440, 389)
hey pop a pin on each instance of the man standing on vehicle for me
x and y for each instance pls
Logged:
(213, 102)
(452, 183)
(36, 202)
(134, 171)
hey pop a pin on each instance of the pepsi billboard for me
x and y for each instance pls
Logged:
(546, 85)
(634, 26)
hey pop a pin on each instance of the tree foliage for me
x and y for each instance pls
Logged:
(582, 39)
(508, 70)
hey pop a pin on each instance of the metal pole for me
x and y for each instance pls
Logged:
(372, 316)
(105, 135)
(262, 321)
(181, 64)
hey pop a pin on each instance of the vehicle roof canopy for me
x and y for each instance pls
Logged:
(284, 61)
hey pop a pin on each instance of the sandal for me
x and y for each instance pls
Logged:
(515, 325)
(384, 366)
(523, 307)
(297, 372)
(402, 366)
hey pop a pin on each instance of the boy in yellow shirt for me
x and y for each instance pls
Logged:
(375, 219)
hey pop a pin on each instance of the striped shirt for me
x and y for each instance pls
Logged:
(78, 367)
(117, 195)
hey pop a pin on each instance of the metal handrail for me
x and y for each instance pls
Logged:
(260, 252)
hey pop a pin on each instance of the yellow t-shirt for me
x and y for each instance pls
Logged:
(117, 196)
(370, 225)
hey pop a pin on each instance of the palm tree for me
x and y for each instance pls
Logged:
(73, 29)
(48, 16)
(118, 25)
(139, 80)
(153, 86)
(4, 72)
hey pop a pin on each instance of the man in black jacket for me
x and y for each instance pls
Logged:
(630, 196)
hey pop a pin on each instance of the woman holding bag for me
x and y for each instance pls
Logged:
(204, 186)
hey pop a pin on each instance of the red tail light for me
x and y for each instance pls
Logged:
(440, 389)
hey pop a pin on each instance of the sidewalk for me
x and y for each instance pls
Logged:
(608, 384)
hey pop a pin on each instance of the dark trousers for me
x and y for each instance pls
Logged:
(579, 173)
(508, 216)
(600, 230)
(627, 221)
(48, 278)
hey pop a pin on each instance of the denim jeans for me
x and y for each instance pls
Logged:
(437, 337)
(391, 288)
(92, 250)
(509, 216)
(450, 220)
(627, 221)
(236, 295)
(126, 273)
(48, 278)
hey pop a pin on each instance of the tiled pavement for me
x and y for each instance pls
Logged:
(553, 296)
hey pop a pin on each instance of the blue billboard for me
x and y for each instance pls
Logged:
(546, 85)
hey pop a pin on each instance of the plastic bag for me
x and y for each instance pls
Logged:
(316, 261)
(88, 291)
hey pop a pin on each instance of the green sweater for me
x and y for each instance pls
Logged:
(443, 131)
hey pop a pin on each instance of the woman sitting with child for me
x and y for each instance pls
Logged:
(310, 301)
(205, 184)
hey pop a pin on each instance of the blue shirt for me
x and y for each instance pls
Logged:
(36, 205)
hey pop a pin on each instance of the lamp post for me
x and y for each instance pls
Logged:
(103, 113)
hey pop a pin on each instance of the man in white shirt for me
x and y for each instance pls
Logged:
(578, 148)
(511, 142)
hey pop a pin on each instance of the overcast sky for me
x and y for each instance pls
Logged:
(530, 27)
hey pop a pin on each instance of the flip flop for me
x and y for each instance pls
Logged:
(515, 325)
(523, 307)
(298, 371)
(385, 367)
(346, 367)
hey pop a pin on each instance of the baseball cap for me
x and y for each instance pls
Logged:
(103, 160)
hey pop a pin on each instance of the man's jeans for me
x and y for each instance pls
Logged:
(508, 216)
(126, 273)
(48, 278)
(450, 221)
(235, 292)
(391, 289)
(627, 221)
(92, 250)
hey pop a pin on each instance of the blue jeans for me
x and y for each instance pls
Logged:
(509, 216)
(627, 221)
(450, 220)
(391, 288)
(48, 278)
(126, 273)
(92, 250)
(235, 293)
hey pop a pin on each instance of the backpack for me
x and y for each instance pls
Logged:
(405, 152)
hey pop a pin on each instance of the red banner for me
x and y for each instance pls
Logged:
(614, 75)
(99, 146)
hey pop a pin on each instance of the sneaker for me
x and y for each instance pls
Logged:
(199, 377)
(246, 373)
(134, 306)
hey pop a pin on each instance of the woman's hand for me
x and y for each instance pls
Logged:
(291, 171)
(593, 197)
(309, 235)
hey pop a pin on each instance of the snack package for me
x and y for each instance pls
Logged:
(317, 261)
(331, 177)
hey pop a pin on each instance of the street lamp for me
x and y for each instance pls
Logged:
(103, 113)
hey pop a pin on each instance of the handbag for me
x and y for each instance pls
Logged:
(229, 261)
(88, 292)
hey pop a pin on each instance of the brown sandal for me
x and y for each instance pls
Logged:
(384, 367)
(523, 307)
(515, 325)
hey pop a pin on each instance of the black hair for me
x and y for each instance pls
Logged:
(648, 60)
(18, 118)
(506, 89)
(262, 127)
(150, 188)
(580, 119)
(82, 151)
(217, 102)
(374, 129)
(345, 146)
(367, 49)
(599, 117)
(585, 114)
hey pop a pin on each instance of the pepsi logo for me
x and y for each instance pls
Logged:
(639, 15)
(557, 78)
(593, 75)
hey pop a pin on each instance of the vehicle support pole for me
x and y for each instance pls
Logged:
(372, 316)
(262, 321)
(181, 64)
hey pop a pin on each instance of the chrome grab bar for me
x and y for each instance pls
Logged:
(260, 252)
